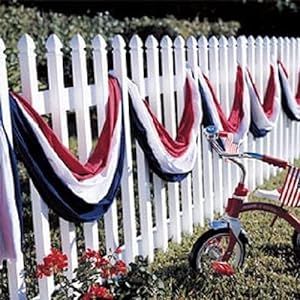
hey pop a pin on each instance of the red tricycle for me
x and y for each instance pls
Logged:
(225, 243)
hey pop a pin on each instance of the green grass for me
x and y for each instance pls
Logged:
(271, 269)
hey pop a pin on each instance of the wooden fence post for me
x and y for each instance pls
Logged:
(101, 95)
(189, 193)
(39, 208)
(159, 190)
(206, 150)
(170, 125)
(265, 75)
(259, 85)
(145, 205)
(213, 56)
(16, 280)
(275, 135)
(252, 142)
(129, 223)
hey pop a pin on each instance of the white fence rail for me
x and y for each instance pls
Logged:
(165, 211)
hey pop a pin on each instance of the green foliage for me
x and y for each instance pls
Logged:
(139, 283)
(17, 20)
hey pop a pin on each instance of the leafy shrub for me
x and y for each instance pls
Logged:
(17, 20)
(101, 277)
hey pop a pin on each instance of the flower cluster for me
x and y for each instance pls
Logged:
(53, 263)
(93, 268)
(96, 291)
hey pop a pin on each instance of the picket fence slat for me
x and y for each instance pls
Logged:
(213, 56)
(145, 204)
(39, 209)
(166, 61)
(151, 210)
(225, 102)
(159, 190)
(191, 194)
(205, 151)
(252, 165)
(128, 205)
(100, 65)
(17, 287)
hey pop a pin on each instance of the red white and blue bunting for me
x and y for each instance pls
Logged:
(290, 103)
(172, 159)
(83, 192)
(264, 113)
(77, 192)
(10, 201)
(238, 122)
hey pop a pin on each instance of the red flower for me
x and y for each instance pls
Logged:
(121, 267)
(96, 291)
(91, 255)
(102, 262)
(54, 262)
(222, 268)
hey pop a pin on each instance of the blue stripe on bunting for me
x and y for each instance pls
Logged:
(141, 136)
(284, 102)
(17, 188)
(256, 132)
(207, 119)
(51, 188)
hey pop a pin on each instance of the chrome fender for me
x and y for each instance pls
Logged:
(228, 222)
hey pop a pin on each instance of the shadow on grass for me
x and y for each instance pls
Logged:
(291, 263)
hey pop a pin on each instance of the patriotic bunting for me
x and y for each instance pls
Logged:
(290, 103)
(171, 159)
(81, 192)
(239, 119)
(264, 113)
(11, 224)
(76, 192)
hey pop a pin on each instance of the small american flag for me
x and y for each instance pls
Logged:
(290, 194)
(230, 146)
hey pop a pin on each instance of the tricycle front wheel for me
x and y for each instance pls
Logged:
(211, 247)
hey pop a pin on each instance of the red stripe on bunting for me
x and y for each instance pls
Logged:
(178, 146)
(237, 114)
(268, 103)
(298, 86)
(98, 159)
(298, 90)
(270, 94)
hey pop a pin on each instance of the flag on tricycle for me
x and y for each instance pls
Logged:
(290, 194)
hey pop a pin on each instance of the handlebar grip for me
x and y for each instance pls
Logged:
(275, 161)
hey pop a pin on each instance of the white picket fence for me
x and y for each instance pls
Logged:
(177, 207)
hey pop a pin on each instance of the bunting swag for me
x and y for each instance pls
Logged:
(10, 201)
(170, 159)
(76, 192)
(239, 119)
(264, 116)
(290, 103)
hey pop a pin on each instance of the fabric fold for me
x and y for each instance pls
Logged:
(171, 159)
(238, 122)
(264, 113)
(76, 192)
(290, 102)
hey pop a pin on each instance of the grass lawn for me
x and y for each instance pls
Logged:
(270, 271)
